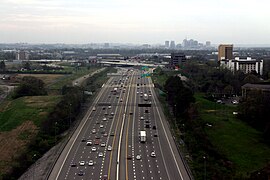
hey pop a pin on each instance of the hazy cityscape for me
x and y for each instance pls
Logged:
(141, 90)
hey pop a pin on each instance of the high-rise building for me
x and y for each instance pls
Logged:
(167, 44)
(172, 45)
(207, 43)
(225, 51)
(22, 55)
(177, 59)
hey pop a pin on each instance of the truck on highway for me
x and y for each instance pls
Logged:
(142, 136)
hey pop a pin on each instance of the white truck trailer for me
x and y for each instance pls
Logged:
(142, 136)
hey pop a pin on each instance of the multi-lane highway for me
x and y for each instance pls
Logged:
(106, 144)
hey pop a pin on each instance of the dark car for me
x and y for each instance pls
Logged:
(73, 164)
(147, 126)
(154, 127)
(80, 173)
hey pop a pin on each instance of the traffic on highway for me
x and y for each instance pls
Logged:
(124, 135)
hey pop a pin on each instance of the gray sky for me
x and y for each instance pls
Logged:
(134, 21)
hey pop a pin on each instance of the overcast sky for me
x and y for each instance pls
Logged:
(134, 21)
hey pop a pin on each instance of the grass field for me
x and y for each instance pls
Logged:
(33, 108)
(240, 143)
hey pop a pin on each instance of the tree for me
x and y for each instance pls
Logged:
(30, 86)
(179, 97)
(2, 66)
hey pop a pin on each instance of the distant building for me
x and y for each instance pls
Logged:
(167, 44)
(190, 43)
(106, 45)
(207, 43)
(225, 51)
(177, 59)
(245, 65)
(248, 89)
(172, 45)
(22, 55)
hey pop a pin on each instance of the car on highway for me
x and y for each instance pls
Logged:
(96, 142)
(101, 125)
(153, 154)
(109, 107)
(80, 173)
(141, 118)
(112, 134)
(104, 119)
(100, 154)
(94, 131)
(94, 149)
(73, 164)
(91, 163)
(81, 163)
(104, 108)
(156, 135)
(89, 142)
(103, 144)
(146, 110)
(131, 113)
(147, 126)
(105, 134)
(109, 148)
(94, 108)
(154, 127)
(106, 113)
(112, 113)
(121, 100)
(83, 139)
(129, 157)
(138, 157)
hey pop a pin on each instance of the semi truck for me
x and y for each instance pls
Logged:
(142, 136)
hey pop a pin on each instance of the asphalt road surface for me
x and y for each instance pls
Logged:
(106, 144)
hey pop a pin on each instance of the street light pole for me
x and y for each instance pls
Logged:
(204, 167)
(70, 115)
(55, 132)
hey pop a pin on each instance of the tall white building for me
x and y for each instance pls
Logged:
(245, 65)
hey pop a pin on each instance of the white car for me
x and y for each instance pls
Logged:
(101, 126)
(94, 149)
(138, 157)
(103, 144)
(110, 107)
(89, 142)
(91, 163)
(100, 154)
(142, 118)
(94, 108)
(153, 154)
(109, 148)
(94, 131)
(104, 119)
(112, 113)
(82, 163)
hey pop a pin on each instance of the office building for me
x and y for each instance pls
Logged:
(22, 55)
(172, 45)
(245, 65)
(167, 44)
(177, 59)
(207, 43)
(225, 51)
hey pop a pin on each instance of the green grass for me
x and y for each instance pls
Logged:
(67, 79)
(239, 142)
(35, 108)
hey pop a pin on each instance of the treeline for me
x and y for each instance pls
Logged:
(254, 110)
(209, 78)
(180, 98)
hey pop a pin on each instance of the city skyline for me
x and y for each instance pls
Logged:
(128, 21)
